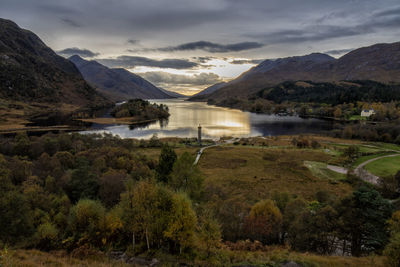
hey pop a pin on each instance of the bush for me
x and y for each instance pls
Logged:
(392, 251)
(46, 236)
(86, 222)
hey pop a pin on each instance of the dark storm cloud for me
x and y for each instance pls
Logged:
(385, 19)
(77, 51)
(246, 61)
(312, 33)
(134, 61)
(250, 29)
(338, 51)
(212, 47)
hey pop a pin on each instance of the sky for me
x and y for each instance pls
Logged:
(188, 45)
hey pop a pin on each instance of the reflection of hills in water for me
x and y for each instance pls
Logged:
(216, 122)
(144, 125)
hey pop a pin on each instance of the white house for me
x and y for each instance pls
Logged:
(367, 112)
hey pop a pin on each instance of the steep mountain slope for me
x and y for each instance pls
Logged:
(211, 89)
(121, 83)
(32, 72)
(380, 62)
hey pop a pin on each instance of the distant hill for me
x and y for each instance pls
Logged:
(32, 72)
(172, 94)
(380, 62)
(210, 90)
(118, 82)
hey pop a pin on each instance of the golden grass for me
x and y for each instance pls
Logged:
(32, 258)
(154, 153)
(253, 173)
(223, 257)
(279, 255)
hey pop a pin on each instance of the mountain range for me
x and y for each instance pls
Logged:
(380, 62)
(117, 83)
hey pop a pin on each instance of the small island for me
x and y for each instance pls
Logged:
(132, 112)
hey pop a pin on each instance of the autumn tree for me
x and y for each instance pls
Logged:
(186, 177)
(86, 223)
(111, 185)
(209, 231)
(264, 222)
(182, 223)
(392, 250)
(314, 229)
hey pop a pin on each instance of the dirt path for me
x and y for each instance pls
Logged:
(360, 171)
(337, 169)
(230, 141)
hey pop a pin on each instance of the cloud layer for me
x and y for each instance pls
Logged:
(67, 52)
(212, 47)
(160, 77)
(135, 61)
(187, 35)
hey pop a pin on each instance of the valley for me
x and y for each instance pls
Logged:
(280, 161)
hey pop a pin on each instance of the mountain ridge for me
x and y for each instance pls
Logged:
(379, 62)
(119, 83)
(30, 71)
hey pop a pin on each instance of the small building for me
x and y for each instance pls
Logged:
(367, 112)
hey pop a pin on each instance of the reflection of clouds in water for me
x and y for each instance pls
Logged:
(216, 122)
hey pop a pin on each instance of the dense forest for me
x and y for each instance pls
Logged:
(332, 93)
(340, 101)
(90, 192)
(140, 109)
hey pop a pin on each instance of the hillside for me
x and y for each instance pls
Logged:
(37, 83)
(119, 83)
(31, 71)
(379, 62)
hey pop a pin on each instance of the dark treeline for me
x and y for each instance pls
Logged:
(332, 93)
(141, 109)
(70, 191)
(341, 101)
(381, 132)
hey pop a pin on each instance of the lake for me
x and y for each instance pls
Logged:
(215, 122)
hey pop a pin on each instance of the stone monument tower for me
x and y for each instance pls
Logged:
(199, 135)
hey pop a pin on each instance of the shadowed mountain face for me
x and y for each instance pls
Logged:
(32, 72)
(118, 83)
(379, 62)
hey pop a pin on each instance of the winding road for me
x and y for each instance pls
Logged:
(360, 171)
(366, 175)
(230, 141)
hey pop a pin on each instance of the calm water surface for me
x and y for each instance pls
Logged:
(216, 122)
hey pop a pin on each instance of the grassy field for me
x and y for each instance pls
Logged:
(385, 166)
(363, 159)
(254, 173)
(272, 257)
(357, 118)
(32, 258)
